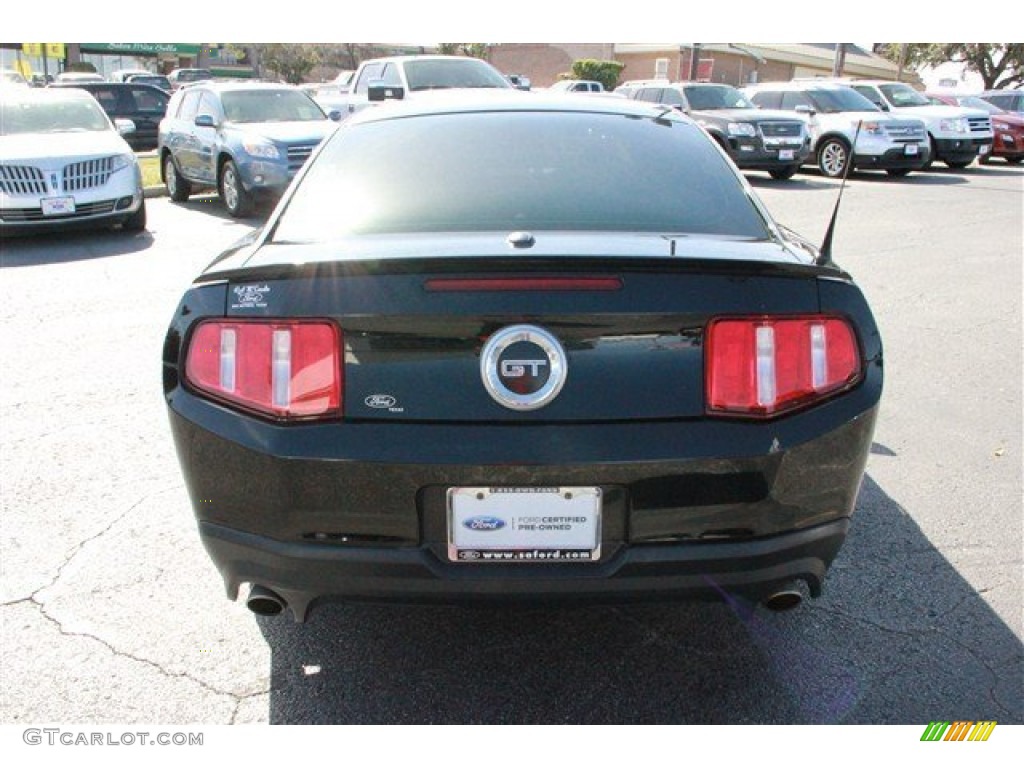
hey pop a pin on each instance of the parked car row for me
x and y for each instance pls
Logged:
(855, 124)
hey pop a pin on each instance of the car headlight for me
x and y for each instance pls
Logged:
(870, 126)
(954, 125)
(121, 161)
(742, 129)
(261, 149)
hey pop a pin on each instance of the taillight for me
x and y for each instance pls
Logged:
(283, 368)
(763, 366)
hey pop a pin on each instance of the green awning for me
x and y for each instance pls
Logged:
(187, 49)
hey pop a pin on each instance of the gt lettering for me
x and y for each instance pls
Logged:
(517, 368)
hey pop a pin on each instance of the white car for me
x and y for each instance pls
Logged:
(62, 162)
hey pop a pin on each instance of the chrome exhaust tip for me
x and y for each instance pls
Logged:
(783, 600)
(264, 602)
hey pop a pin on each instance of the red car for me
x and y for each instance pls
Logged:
(1007, 126)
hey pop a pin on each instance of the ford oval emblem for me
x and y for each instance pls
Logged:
(380, 401)
(482, 523)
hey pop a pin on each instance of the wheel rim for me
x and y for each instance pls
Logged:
(230, 188)
(833, 158)
(169, 177)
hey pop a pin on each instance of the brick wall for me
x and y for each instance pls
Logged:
(544, 62)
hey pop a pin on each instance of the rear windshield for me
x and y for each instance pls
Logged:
(429, 74)
(519, 171)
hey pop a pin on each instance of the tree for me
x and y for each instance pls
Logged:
(605, 72)
(1001, 65)
(289, 61)
(476, 50)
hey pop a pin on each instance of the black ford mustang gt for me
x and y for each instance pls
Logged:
(513, 348)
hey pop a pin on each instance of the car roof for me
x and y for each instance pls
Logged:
(237, 85)
(64, 93)
(450, 102)
(426, 57)
(800, 85)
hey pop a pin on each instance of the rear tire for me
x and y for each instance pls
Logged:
(781, 174)
(236, 199)
(833, 157)
(178, 187)
(898, 172)
(137, 221)
(958, 164)
(1014, 160)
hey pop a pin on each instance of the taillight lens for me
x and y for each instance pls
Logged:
(763, 366)
(285, 369)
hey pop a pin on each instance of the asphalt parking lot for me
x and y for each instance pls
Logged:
(112, 613)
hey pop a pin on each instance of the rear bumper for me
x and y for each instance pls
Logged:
(359, 510)
(309, 574)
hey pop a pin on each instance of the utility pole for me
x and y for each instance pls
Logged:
(694, 58)
(839, 61)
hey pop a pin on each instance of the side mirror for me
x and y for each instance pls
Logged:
(205, 121)
(124, 126)
(334, 115)
(380, 92)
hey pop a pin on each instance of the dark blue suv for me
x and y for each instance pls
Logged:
(247, 140)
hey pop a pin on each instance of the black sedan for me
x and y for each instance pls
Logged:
(521, 348)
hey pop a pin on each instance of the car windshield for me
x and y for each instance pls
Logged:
(51, 116)
(975, 103)
(158, 80)
(269, 106)
(428, 74)
(193, 75)
(509, 171)
(840, 100)
(900, 95)
(712, 97)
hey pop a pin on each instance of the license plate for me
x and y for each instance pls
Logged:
(984, 150)
(786, 154)
(55, 206)
(524, 525)
(910, 149)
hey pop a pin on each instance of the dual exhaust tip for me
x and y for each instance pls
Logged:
(265, 602)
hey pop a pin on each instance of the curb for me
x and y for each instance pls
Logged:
(154, 192)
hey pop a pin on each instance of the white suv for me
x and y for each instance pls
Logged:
(957, 134)
(834, 112)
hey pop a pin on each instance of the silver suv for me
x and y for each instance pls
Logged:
(834, 112)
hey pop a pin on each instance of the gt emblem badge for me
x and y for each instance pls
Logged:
(523, 367)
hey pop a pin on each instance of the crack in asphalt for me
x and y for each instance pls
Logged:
(241, 700)
(40, 604)
(124, 654)
(993, 695)
(863, 620)
(73, 552)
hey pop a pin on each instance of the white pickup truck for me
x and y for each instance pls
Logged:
(399, 77)
(958, 135)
